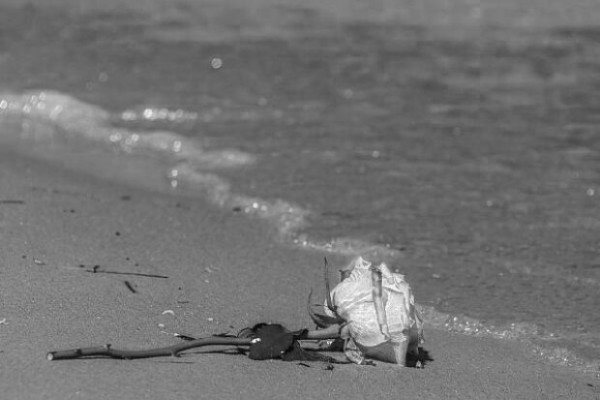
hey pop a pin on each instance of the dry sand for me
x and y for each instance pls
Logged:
(224, 272)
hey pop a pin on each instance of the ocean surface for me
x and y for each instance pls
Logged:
(469, 163)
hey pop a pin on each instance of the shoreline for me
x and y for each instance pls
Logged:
(225, 272)
(283, 220)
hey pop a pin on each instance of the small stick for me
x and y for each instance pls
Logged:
(130, 286)
(174, 350)
(97, 271)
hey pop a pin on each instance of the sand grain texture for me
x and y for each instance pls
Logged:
(224, 270)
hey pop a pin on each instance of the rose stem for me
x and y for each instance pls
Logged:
(174, 350)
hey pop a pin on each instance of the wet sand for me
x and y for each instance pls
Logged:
(224, 272)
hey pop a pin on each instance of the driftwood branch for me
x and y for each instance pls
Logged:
(108, 351)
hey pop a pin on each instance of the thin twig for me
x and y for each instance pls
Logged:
(12, 202)
(130, 286)
(174, 350)
(97, 271)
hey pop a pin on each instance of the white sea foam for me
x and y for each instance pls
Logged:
(75, 119)
(53, 125)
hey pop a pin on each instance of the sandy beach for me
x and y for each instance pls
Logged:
(227, 275)
(87, 261)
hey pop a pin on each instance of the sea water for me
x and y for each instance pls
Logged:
(470, 165)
